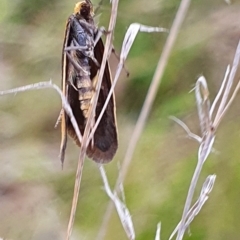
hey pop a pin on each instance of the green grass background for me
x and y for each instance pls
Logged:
(36, 194)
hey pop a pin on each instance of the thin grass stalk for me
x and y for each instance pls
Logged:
(182, 11)
(228, 105)
(120, 205)
(228, 85)
(191, 191)
(187, 130)
(217, 98)
(209, 130)
(203, 105)
(197, 206)
(224, 105)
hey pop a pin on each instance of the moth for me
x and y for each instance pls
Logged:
(81, 59)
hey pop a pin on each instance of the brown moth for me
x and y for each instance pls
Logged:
(81, 59)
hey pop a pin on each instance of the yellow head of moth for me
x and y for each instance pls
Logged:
(81, 5)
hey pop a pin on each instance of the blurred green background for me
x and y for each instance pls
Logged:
(36, 194)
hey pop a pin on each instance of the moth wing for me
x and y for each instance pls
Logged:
(68, 75)
(105, 137)
(64, 90)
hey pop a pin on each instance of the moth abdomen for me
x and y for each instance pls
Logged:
(85, 94)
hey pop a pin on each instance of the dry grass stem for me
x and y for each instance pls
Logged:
(230, 80)
(217, 98)
(120, 206)
(186, 128)
(203, 104)
(195, 209)
(208, 125)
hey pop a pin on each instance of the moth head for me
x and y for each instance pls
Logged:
(84, 9)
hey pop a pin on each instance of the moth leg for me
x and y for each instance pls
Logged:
(72, 84)
(118, 58)
(90, 53)
(80, 48)
(74, 63)
(88, 27)
(76, 46)
(95, 61)
(100, 32)
(71, 48)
